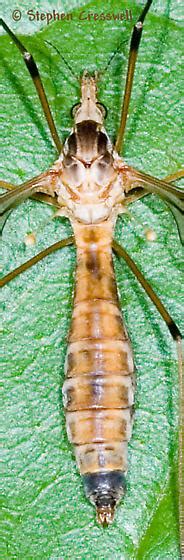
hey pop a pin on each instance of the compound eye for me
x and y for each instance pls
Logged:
(103, 109)
(74, 109)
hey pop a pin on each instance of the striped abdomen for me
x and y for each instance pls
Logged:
(98, 391)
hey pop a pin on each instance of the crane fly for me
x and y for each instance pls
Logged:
(92, 184)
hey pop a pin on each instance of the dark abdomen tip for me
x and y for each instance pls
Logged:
(104, 490)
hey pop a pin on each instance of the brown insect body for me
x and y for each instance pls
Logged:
(98, 392)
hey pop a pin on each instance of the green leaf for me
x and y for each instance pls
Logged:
(45, 512)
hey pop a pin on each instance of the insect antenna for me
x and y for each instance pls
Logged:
(63, 58)
(101, 73)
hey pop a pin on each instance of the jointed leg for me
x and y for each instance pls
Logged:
(140, 192)
(134, 45)
(7, 201)
(45, 182)
(20, 193)
(34, 73)
(51, 200)
(174, 176)
(171, 194)
(58, 245)
(175, 333)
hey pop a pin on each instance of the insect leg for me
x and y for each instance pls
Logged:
(175, 333)
(174, 176)
(139, 192)
(44, 182)
(10, 199)
(34, 73)
(51, 200)
(58, 245)
(134, 46)
(172, 194)
(6, 185)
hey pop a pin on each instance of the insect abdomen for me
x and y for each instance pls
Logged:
(98, 391)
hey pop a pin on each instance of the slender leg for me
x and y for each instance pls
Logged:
(175, 333)
(134, 45)
(44, 182)
(172, 194)
(140, 192)
(51, 200)
(6, 185)
(3, 219)
(174, 176)
(58, 245)
(34, 73)
(7, 201)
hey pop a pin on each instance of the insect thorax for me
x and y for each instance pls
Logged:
(89, 180)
